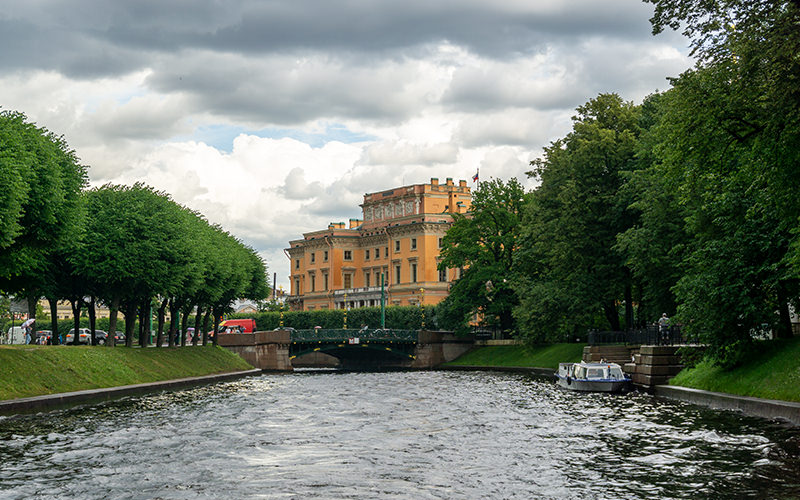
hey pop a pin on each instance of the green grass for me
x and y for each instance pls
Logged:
(37, 370)
(546, 356)
(772, 373)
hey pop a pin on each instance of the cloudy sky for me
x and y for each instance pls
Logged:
(274, 117)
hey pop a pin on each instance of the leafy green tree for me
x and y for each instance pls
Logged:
(40, 210)
(482, 243)
(135, 249)
(568, 267)
(731, 138)
(655, 244)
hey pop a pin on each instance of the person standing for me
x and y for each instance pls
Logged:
(663, 328)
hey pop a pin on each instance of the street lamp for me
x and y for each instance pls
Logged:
(422, 305)
(345, 310)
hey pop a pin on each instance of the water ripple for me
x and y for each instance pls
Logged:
(427, 435)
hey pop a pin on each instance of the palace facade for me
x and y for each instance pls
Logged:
(397, 240)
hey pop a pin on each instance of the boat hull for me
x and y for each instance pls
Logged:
(583, 385)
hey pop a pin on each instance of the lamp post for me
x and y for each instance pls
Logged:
(281, 323)
(422, 305)
(345, 310)
(383, 303)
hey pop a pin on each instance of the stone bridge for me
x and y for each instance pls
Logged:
(354, 349)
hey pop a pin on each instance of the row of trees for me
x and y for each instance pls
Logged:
(123, 245)
(685, 204)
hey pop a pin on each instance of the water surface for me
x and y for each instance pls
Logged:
(421, 435)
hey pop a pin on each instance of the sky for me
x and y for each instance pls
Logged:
(274, 117)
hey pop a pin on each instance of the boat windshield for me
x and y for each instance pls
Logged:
(595, 373)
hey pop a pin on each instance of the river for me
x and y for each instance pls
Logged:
(420, 435)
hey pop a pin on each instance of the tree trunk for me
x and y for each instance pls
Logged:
(184, 324)
(54, 338)
(197, 323)
(162, 312)
(76, 318)
(129, 311)
(144, 323)
(784, 327)
(628, 306)
(112, 321)
(92, 319)
(173, 315)
(612, 316)
(206, 317)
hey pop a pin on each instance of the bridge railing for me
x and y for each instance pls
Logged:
(342, 335)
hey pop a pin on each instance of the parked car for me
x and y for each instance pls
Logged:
(84, 336)
(120, 337)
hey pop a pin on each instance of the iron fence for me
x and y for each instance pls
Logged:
(371, 335)
(649, 335)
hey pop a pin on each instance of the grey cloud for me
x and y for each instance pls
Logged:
(92, 35)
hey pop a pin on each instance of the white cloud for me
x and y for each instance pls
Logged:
(311, 104)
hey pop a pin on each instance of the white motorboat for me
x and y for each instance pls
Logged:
(592, 377)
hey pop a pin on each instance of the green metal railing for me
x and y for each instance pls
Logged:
(342, 335)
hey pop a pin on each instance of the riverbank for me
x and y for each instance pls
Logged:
(28, 371)
(771, 372)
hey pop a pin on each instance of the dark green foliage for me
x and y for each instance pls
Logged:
(568, 268)
(397, 317)
(482, 243)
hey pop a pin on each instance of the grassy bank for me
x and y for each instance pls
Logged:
(37, 370)
(547, 356)
(773, 372)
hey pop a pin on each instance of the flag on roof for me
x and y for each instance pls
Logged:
(475, 177)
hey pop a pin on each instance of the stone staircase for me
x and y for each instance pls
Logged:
(619, 354)
(654, 365)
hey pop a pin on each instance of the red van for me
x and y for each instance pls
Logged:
(237, 326)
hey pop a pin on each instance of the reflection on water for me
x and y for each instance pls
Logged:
(448, 435)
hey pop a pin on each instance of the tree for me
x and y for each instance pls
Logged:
(731, 137)
(568, 268)
(40, 210)
(654, 245)
(137, 249)
(482, 243)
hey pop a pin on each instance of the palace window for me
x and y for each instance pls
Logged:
(325, 256)
(312, 257)
(297, 264)
(348, 255)
(366, 254)
(325, 281)
(413, 243)
(348, 280)
(366, 279)
(443, 275)
(396, 245)
(397, 274)
(413, 273)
